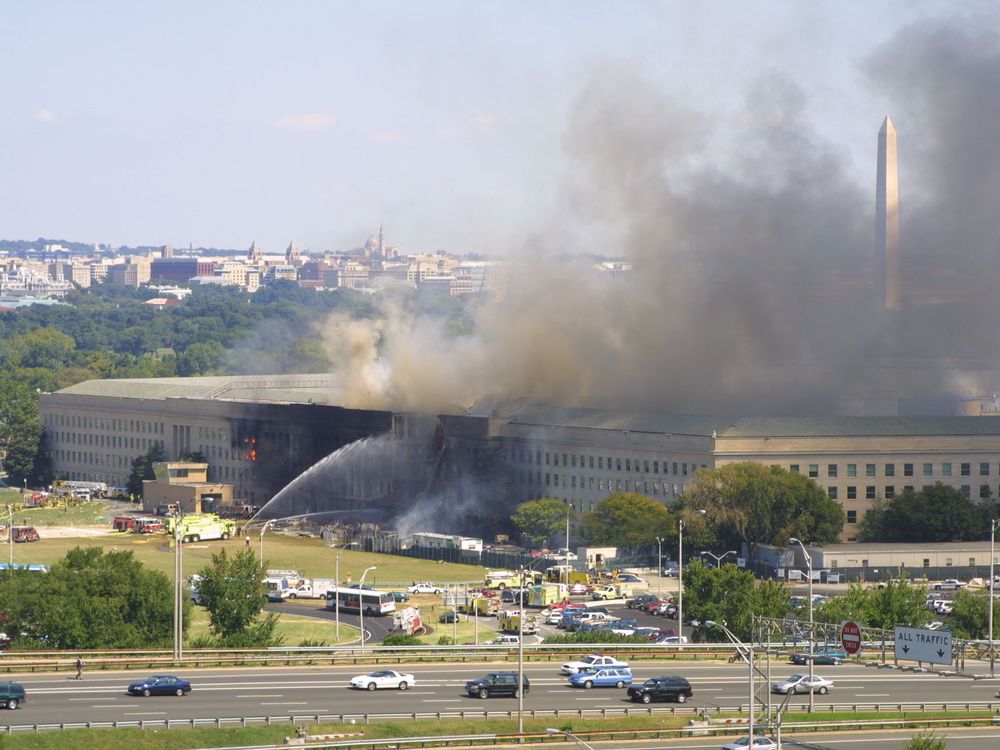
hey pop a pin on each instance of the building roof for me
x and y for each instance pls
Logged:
(522, 412)
(889, 547)
(289, 389)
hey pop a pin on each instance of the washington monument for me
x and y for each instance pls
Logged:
(887, 214)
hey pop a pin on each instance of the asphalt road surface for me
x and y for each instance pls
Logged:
(101, 696)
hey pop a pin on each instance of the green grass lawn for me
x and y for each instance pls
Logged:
(186, 739)
(311, 557)
(295, 629)
(93, 513)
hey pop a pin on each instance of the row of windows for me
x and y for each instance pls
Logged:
(574, 460)
(948, 562)
(613, 485)
(889, 491)
(221, 473)
(889, 470)
(100, 423)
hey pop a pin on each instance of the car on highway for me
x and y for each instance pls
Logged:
(759, 743)
(949, 584)
(425, 588)
(618, 677)
(665, 688)
(802, 683)
(594, 661)
(160, 684)
(496, 684)
(828, 655)
(11, 694)
(383, 679)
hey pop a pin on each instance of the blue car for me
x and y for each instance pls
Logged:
(160, 684)
(618, 677)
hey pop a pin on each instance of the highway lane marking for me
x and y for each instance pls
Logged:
(285, 703)
(123, 705)
(145, 713)
(83, 699)
(443, 700)
(873, 695)
(262, 695)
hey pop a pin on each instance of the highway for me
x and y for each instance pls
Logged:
(101, 696)
(958, 739)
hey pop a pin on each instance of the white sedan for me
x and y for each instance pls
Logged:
(594, 661)
(383, 678)
(800, 683)
(425, 588)
(759, 743)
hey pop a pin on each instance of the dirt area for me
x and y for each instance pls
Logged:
(66, 532)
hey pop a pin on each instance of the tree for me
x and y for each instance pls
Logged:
(234, 593)
(142, 468)
(90, 599)
(897, 603)
(937, 513)
(199, 358)
(754, 504)
(628, 521)
(731, 596)
(970, 615)
(20, 429)
(541, 519)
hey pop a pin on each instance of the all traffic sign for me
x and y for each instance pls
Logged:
(850, 637)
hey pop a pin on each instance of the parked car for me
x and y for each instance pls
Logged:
(618, 677)
(759, 743)
(11, 694)
(670, 572)
(496, 684)
(594, 661)
(425, 588)
(399, 596)
(160, 684)
(449, 616)
(651, 606)
(629, 578)
(668, 687)
(666, 609)
(579, 589)
(945, 608)
(506, 640)
(801, 683)
(647, 632)
(637, 601)
(671, 640)
(829, 655)
(949, 584)
(382, 679)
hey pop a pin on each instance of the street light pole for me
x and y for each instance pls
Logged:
(178, 587)
(749, 656)
(10, 537)
(659, 565)
(680, 581)
(336, 595)
(719, 558)
(262, 530)
(812, 629)
(520, 655)
(361, 609)
(989, 614)
(572, 736)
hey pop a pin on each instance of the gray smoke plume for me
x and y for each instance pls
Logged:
(755, 287)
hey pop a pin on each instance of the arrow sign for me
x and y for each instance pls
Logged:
(918, 644)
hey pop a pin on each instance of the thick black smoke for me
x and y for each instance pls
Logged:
(755, 286)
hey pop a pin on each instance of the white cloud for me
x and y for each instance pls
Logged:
(307, 121)
(45, 115)
(388, 137)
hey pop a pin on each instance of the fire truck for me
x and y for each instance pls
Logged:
(200, 527)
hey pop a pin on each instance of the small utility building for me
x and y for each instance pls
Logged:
(183, 486)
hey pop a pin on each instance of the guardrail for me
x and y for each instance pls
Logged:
(48, 661)
(556, 713)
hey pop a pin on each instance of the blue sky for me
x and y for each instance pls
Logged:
(220, 123)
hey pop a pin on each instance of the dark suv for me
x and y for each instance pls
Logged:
(11, 694)
(637, 601)
(664, 688)
(496, 683)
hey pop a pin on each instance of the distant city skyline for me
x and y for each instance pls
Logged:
(219, 124)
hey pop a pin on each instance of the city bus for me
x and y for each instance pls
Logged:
(372, 603)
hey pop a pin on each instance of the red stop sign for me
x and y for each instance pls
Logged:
(850, 637)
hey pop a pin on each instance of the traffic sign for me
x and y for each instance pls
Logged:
(917, 644)
(850, 637)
